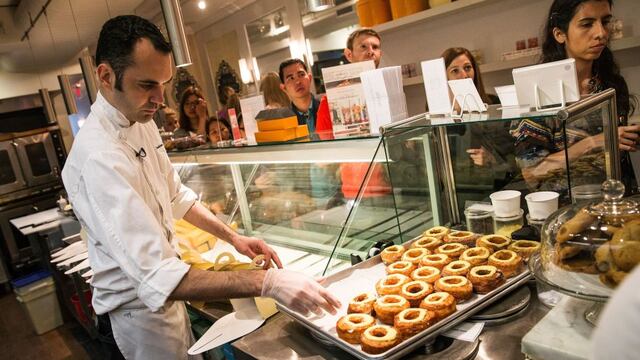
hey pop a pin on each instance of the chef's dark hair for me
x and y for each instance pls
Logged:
(118, 38)
(605, 68)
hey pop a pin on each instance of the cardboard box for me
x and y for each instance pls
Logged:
(300, 131)
(277, 124)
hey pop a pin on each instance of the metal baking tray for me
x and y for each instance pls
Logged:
(465, 310)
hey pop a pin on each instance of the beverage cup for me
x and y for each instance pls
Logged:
(541, 204)
(506, 203)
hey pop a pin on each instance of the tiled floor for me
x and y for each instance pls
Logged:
(18, 339)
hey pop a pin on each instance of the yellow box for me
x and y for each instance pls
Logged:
(299, 131)
(278, 124)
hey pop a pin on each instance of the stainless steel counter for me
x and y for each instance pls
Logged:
(283, 338)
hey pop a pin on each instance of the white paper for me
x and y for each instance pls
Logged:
(226, 329)
(82, 266)
(346, 99)
(251, 106)
(384, 94)
(73, 259)
(507, 95)
(465, 93)
(467, 331)
(434, 74)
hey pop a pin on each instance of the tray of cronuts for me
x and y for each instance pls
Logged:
(410, 293)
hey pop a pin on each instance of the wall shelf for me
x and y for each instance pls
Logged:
(630, 42)
(430, 14)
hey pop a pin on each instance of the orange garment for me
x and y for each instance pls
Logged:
(324, 126)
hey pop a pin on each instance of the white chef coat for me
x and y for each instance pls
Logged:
(125, 193)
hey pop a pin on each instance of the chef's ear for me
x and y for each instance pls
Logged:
(106, 76)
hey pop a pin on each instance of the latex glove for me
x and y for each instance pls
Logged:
(253, 247)
(298, 292)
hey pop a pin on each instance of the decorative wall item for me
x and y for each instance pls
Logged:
(226, 76)
(183, 80)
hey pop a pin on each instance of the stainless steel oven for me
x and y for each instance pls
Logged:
(31, 160)
(38, 158)
(11, 178)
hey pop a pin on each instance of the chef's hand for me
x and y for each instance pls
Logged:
(253, 247)
(298, 292)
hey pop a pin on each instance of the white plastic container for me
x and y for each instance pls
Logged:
(39, 300)
(506, 203)
(541, 204)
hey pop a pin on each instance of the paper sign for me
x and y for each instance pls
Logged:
(467, 96)
(235, 128)
(434, 74)
(346, 98)
(251, 106)
(507, 95)
(467, 331)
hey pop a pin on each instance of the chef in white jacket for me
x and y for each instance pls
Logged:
(126, 194)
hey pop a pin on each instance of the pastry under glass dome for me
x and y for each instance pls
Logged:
(587, 250)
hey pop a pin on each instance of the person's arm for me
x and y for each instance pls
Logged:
(201, 112)
(201, 285)
(201, 217)
(627, 137)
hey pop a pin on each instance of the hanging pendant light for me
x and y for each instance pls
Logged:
(89, 73)
(319, 5)
(67, 94)
(175, 28)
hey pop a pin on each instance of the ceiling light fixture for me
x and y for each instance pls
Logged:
(202, 4)
(175, 28)
(319, 5)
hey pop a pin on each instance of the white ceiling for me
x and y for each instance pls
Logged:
(59, 47)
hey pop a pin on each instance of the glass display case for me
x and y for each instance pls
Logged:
(326, 204)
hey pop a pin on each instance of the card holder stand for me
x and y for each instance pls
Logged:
(563, 101)
(463, 105)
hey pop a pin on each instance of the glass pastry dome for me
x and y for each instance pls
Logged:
(587, 250)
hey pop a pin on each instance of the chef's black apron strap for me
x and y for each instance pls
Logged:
(108, 347)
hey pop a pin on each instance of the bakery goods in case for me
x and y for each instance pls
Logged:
(438, 261)
(458, 286)
(412, 321)
(485, 278)
(476, 256)
(386, 307)
(401, 267)
(442, 304)
(351, 327)
(392, 254)
(428, 274)
(378, 339)
(415, 291)
(391, 284)
(452, 250)
(461, 237)
(494, 242)
(437, 232)
(427, 242)
(362, 304)
(507, 261)
(458, 267)
(415, 255)
(525, 248)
